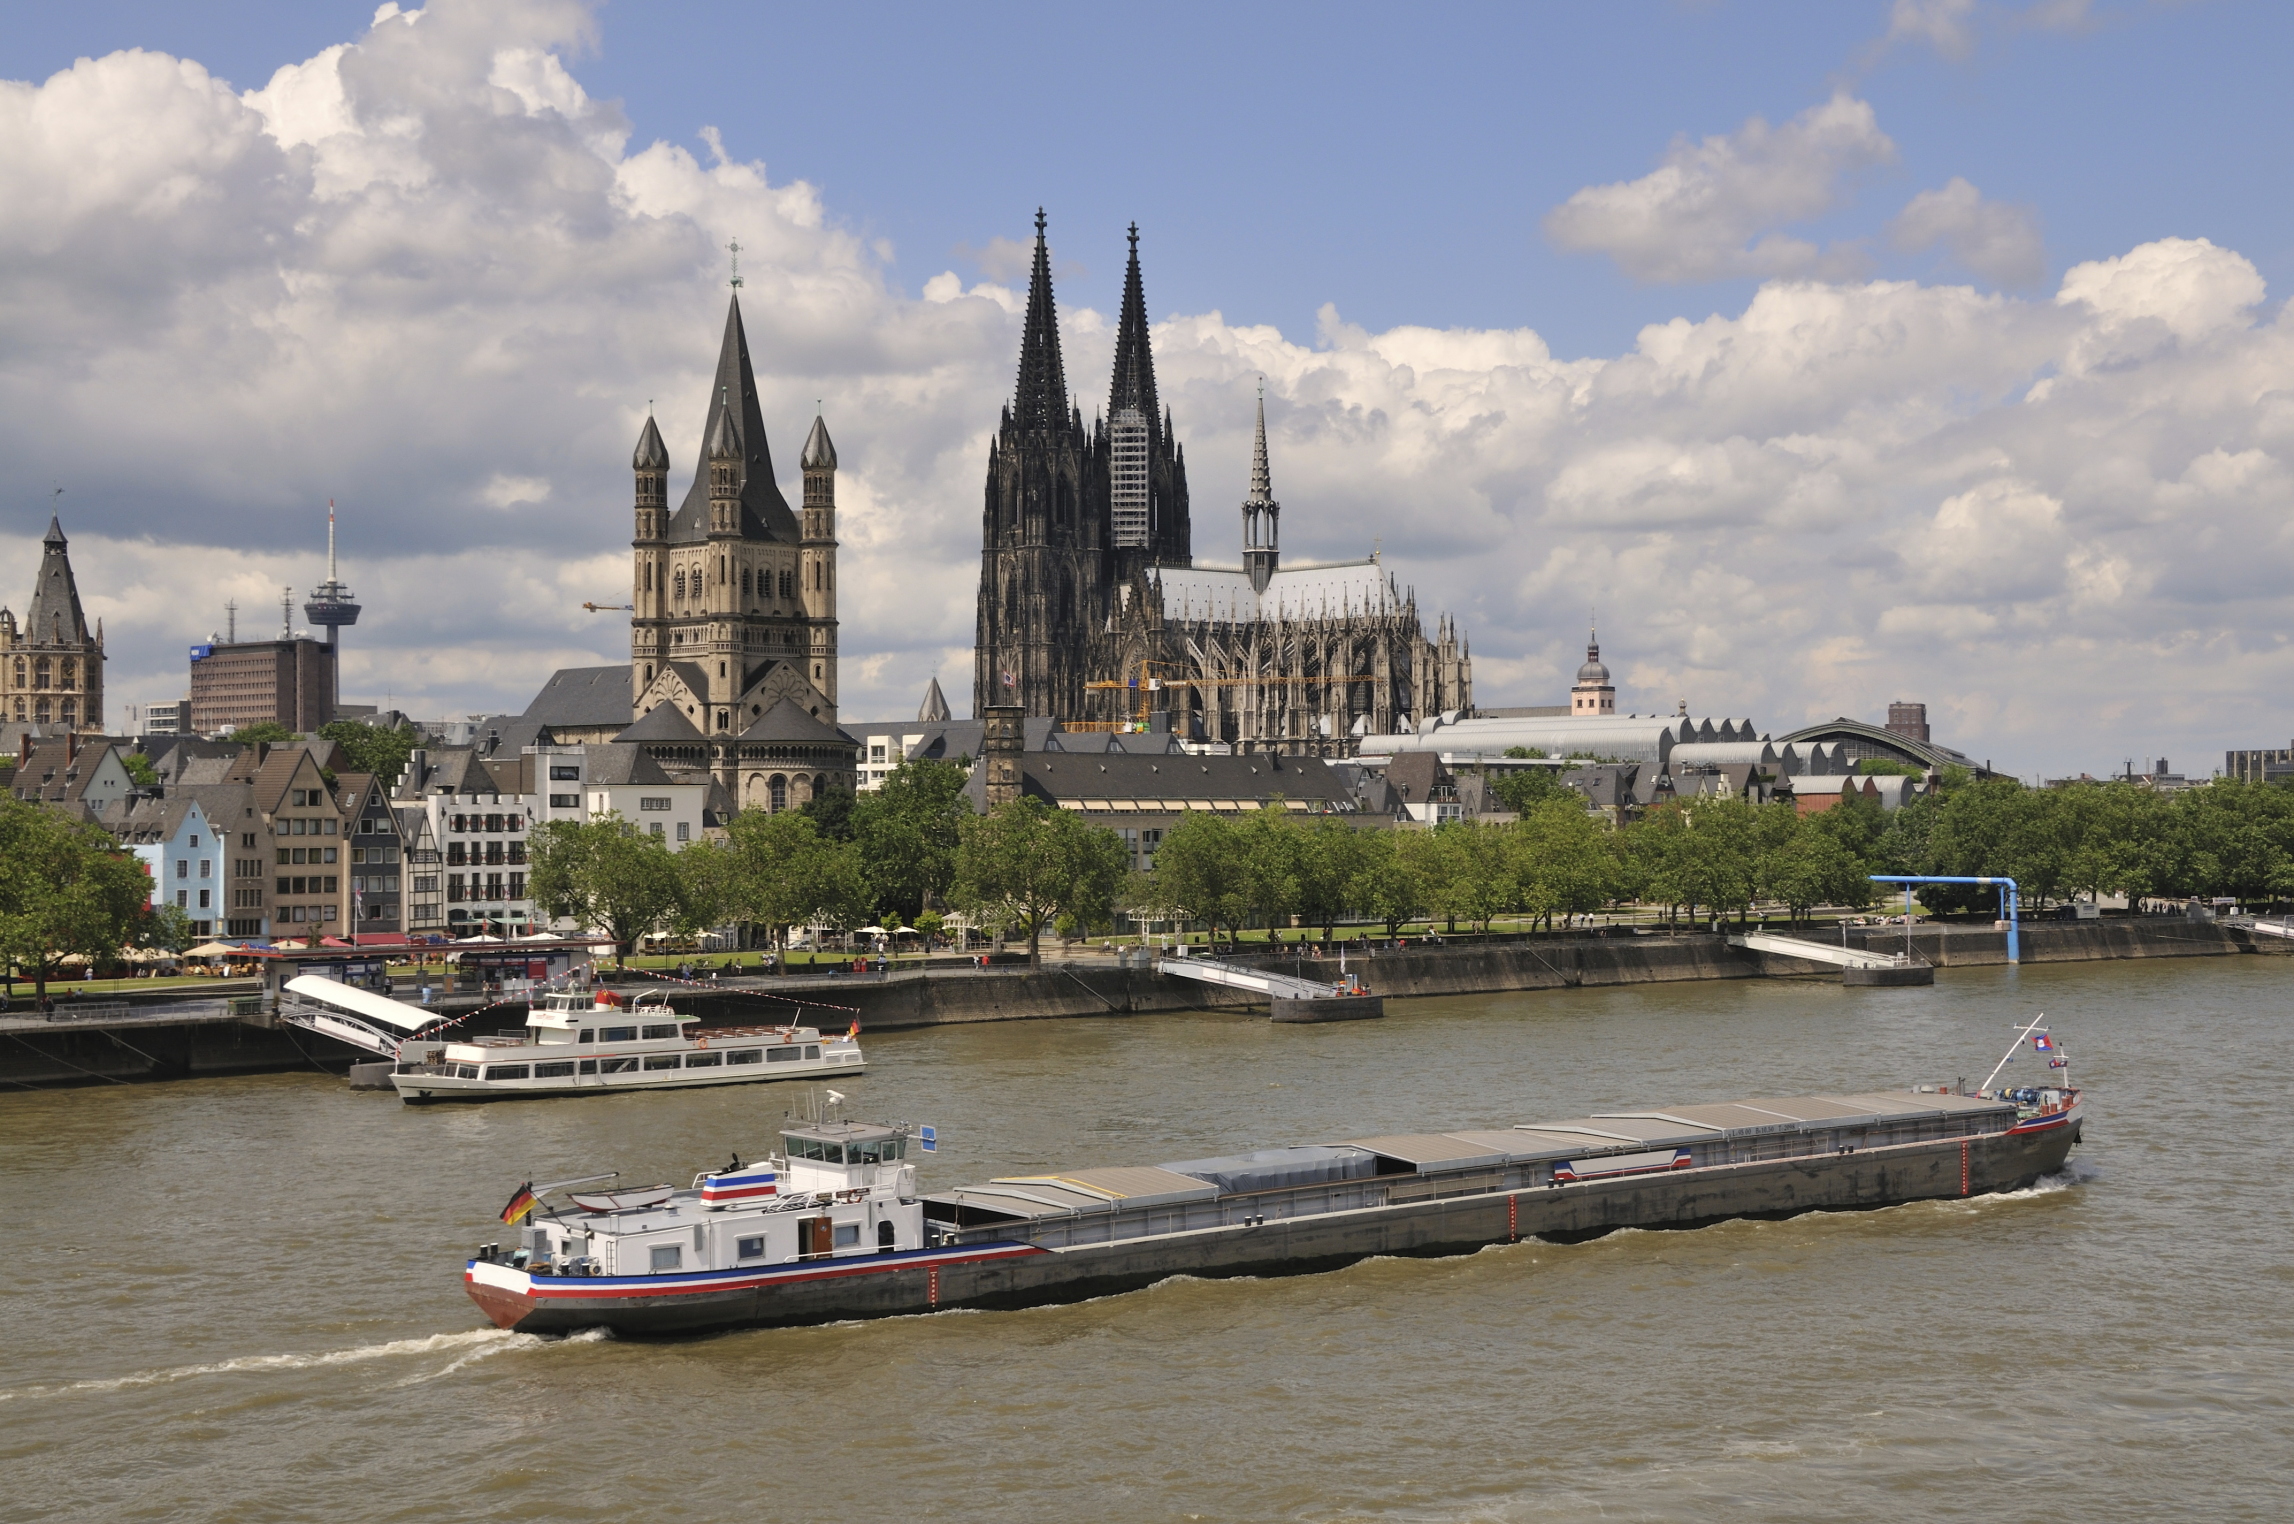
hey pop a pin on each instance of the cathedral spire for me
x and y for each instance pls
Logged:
(1134, 383)
(1040, 398)
(1262, 515)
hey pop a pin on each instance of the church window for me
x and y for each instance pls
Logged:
(71, 675)
(19, 674)
(720, 571)
(40, 674)
(71, 712)
(816, 575)
(784, 582)
(744, 582)
(777, 792)
(19, 706)
(680, 586)
(720, 669)
(40, 713)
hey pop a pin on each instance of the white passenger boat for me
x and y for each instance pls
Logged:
(574, 1043)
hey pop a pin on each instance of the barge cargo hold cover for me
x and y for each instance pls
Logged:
(859, 1242)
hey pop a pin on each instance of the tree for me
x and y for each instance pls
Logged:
(66, 888)
(1483, 867)
(1430, 856)
(783, 870)
(262, 732)
(1565, 860)
(831, 811)
(371, 748)
(1388, 883)
(1812, 868)
(606, 874)
(1330, 860)
(1268, 846)
(908, 830)
(139, 768)
(1200, 868)
(1033, 864)
(167, 928)
(1524, 789)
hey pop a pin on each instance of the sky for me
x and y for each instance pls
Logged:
(1834, 353)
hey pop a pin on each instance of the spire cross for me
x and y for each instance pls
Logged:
(735, 248)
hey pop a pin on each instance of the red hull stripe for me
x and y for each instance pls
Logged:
(605, 1288)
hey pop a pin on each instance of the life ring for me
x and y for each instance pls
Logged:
(701, 1042)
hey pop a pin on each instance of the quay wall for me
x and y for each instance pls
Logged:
(151, 1045)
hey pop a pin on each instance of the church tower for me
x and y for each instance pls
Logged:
(722, 626)
(817, 582)
(1140, 467)
(51, 668)
(1592, 694)
(1044, 541)
(1262, 515)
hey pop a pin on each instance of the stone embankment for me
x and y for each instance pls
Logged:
(149, 1042)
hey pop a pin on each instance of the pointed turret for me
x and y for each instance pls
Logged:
(934, 709)
(819, 453)
(1134, 383)
(1262, 515)
(651, 454)
(733, 412)
(1040, 397)
(54, 617)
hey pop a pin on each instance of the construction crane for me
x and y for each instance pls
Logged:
(611, 608)
(1146, 683)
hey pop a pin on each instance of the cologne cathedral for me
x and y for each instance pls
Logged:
(1093, 610)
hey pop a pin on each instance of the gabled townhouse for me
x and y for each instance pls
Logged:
(182, 850)
(303, 829)
(421, 897)
(480, 811)
(377, 854)
(86, 773)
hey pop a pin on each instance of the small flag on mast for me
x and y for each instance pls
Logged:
(852, 1031)
(521, 1203)
(2042, 1043)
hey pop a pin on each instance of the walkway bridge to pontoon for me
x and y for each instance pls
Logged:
(1816, 952)
(1258, 981)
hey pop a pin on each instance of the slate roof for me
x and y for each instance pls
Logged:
(664, 722)
(765, 513)
(788, 722)
(1180, 782)
(54, 616)
(589, 696)
(615, 763)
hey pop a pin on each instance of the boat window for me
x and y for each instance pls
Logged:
(884, 1235)
(617, 1034)
(752, 1248)
(847, 1234)
(667, 1257)
(554, 1071)
(466, 1071)
(588, 1034)
(703, 1060)
(745, 1056)
(505, 1071)
(589, 1066)
(812, 1052)
(616, 1065)
(783, 1055)
(668, 1030)
(661, 1061)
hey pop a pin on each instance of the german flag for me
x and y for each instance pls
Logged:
(854, 1031)
(521, 1203)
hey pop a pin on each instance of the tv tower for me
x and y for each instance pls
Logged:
(331, 608)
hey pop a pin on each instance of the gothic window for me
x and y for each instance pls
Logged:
(720, 571)
(71, 675)
(744, 582)
(40, 675)
(777, 792)
(784, 582)
(71, 712)
(40, 714)
(816, 575)
(681, 587)
(19, 706)
(19, 673)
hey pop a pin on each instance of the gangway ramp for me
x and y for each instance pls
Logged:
(1815, 952)
(1259, 981)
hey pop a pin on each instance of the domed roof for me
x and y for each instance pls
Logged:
(1593, 674)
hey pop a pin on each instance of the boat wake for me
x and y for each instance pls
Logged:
(476, 1344)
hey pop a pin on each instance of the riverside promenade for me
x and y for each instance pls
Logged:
(94, 1043)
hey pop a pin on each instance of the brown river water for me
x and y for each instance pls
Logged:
(239, 1299)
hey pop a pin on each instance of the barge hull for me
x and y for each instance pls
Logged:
(1008, 1274)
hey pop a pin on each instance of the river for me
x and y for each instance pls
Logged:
(239, 1299)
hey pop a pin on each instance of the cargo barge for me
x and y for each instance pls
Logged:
(832, 1227)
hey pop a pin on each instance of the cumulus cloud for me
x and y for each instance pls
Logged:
(1999, 242)
(1948, 26)
(425, 274)
(1711, 210)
